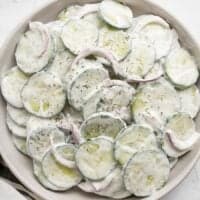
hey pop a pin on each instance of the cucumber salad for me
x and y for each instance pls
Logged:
(102, 99)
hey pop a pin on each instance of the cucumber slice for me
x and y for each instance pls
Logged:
(59, 175)
(87, 9)
(181, 68)
(116, 41)
(39, 141)
(61, 64)
(78, 35)
(102, 124)
(146, 172)
(20, 144)
(38, 172)
(190, 100)
(139, 62)
(60, 121)
(155, 72)
(116, 14)
(77, 68)
(65, 155)
(116, 189)
(55, 29)
(114, 97)
(15, 128)
(157, 31)
(68, 13)
(181, 131)
(158, 98)
(95, 19)
(169, 149)
(132, 140)
(44, 95)
(85, 84)
(95, 158)
(19, 115)
(11, 85)
(36, 122)
(34, 49)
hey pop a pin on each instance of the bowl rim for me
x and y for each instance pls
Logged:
(153, 3)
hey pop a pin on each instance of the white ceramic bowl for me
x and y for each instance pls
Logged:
(20, 165)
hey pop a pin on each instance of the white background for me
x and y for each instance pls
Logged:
(188, 11)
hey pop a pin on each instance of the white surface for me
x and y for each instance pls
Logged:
(12, 11)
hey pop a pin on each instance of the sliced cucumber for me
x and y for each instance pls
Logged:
(102, 124)
(61, 64)
(85, 84)
(79, 34)
(146, 172)
(132, 140)
(77, 68)
(116, 14)
(116, 189)
(181, 131)
(44, 95)
(60, 121)
(59, 175)
(55, 29)
(87, 9)
(12, 83)
(34, 49)
(39, 141)
(68, 13)
(20, 144)
(116, 41)
(157, 31)
(65, 154)
(95, 19)
(156, 71)
(95, 158)
(36, 122)
(181, 68)
(159, 99)
(115, 97)
(190, 100)
(169, 149)
(38, 172)
(19, 115)
(139, 62)
(15, 128)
